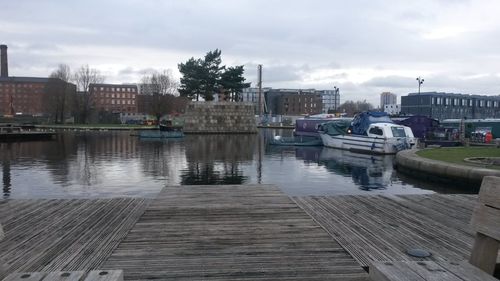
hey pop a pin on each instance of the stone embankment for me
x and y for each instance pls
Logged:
(409, 162)
(220, 117)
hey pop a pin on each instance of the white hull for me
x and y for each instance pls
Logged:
(365, 144)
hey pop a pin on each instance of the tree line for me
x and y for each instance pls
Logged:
(202, 78)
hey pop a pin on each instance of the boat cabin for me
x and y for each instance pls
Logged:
(389, 130)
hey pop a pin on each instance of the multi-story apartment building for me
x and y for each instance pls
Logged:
(114, 98)
(330, 99)
(293, 102)
(387, 98)
(451, 106)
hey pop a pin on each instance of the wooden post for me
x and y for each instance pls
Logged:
(484, 253)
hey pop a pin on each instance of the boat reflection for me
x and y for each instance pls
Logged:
(367, 171)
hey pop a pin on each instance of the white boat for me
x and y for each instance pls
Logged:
(370, 132)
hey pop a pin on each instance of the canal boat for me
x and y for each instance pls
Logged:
(369, 132)
(11, 132)
(429, 131)
(308, 126)
(165, 129)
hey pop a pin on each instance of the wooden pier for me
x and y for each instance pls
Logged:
(63, 235)
(240, 232)
(383, 228)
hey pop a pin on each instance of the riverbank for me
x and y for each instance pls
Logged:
(449, 168)
(96, 127)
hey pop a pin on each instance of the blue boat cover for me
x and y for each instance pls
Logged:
(362, 121)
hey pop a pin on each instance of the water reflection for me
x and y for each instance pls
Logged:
(6, 178)
(110, 164)
(217, 159)
(367, 171)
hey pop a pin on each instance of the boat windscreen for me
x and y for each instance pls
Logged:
(398, 132)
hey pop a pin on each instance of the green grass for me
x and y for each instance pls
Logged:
(458, 154)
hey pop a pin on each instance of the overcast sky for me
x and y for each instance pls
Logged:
(364, 47)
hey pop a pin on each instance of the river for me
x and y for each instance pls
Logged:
(114, 164)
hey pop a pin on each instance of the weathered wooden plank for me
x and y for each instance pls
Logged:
(391, 271)
(486, 220)
(105, 275)
(55, 235)
(489, 194)
(426, 270)
(25, 276)
(65, 276)
(484, 253)
(230, 233)
(382, 228)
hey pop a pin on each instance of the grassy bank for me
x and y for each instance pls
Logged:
(457, 155)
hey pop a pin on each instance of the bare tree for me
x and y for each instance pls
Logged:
(83, 77)
(60, 93)
(161, 91)
(162, 83)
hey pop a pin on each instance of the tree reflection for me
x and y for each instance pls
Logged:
(216, 159)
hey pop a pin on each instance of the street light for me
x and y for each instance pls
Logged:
(335, 94)
(420, 82)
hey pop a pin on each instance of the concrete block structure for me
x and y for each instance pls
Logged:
(220, 117)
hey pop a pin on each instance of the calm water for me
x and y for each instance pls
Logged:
(113, 164)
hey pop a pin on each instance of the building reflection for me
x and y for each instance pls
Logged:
(6, 178)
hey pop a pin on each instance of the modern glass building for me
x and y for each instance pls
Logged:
(450, 106)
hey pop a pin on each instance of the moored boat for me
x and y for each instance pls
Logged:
(369, 132)
(308, 126)
(10, 132)
(165, 130)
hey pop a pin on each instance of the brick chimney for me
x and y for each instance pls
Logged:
(4, 66)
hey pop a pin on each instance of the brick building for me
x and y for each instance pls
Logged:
(293, 102)
(28, 94)
(114, 98)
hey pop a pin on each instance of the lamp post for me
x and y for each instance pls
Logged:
(335, 93)
(420, 82)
